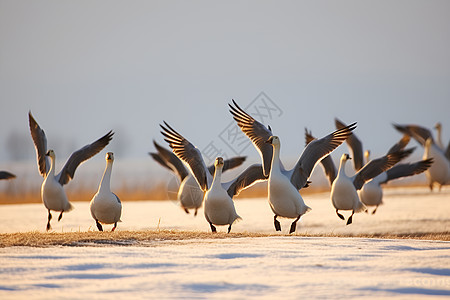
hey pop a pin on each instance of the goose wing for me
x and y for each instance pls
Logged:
(400, 145)
(355, 146)
(408, 169)
(447, 151)
(256, 132)
(377, 166)
(188, 153)
(79, 156)
(229, 164)
(315, 151)
(6, 175)
(250, 176)
(327, 162)
(40, 143)
(169, 160)
(419, 133)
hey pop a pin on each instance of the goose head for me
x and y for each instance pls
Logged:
(218, 163)
(274, 141)
(428, 143)
(367, 155)
(438, 126)
(345, 157)
(50, 153)
(109, 157)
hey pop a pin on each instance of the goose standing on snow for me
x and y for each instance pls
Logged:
(105, 206)
(284, 185)
(344, 194)
(52, 190)
(219, 205)
(189, 193)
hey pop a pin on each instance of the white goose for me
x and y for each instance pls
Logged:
(105, 206)
(219, 206)
(439, 172)
(344, 194)
(189, 193)
(52, 190)
(284, 198)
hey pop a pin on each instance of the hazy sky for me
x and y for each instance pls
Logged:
(85, 67)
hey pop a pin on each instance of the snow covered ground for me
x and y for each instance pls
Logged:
(289, 267)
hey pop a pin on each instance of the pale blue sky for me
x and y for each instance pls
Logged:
(85, 67)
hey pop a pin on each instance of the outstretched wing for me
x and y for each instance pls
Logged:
(169, 160)
(6, 175)
(315, 151)
(419, 133)
(188, 153)
(79, 156)
(355, 146)
(400, 145)
(377, 166)
(250, 176)
(327, 162)
(229, 164)
(256, 132)
(408, 169)
(40, 143)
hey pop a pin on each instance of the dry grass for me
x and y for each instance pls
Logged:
(152, 238)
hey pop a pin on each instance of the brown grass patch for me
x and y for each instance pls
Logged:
(152, 237)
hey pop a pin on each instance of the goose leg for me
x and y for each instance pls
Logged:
(276, 223)
(99, 226)
(186, 210)
(114, 228)
(294, 225)
(195, 213)
(375, 210)
(350, 219)
(339, 215)
(213, 228)
(48, 222)
(229, 228)
(60, 216)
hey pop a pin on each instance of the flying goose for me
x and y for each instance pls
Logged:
(219, 206)
(105, 206)
(52, 190)
(284, 198)
(189, 193)
(344, 194)
(6, 175)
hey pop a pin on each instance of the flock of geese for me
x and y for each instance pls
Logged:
(202, 185)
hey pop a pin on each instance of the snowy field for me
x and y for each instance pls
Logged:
(290, 267)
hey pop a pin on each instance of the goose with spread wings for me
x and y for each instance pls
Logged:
(344, 189)
(219, 205)
(52, 189)
(371, 194)
(284, 185)
(189, 193)
(439, 172)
